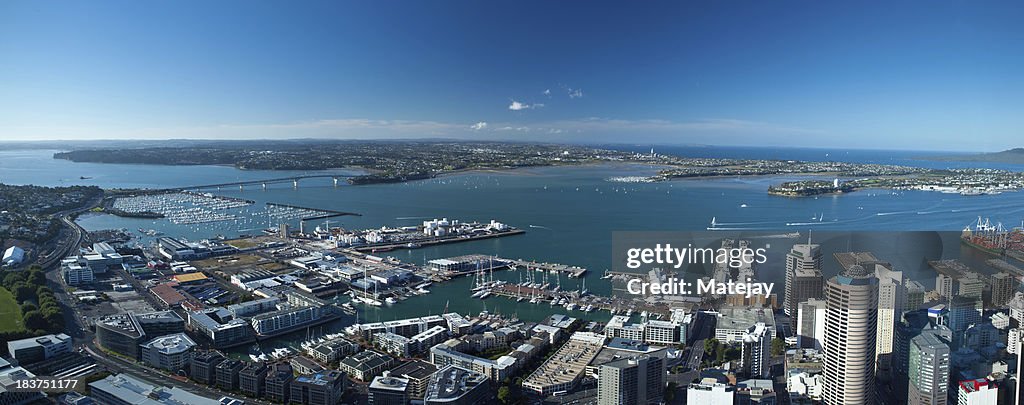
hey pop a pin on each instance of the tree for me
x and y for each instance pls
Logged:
(23, 292)
(504, 394)
(12, 278)
(778, 347)
(709, 346)
(28, 306)
(36, 277)
(34, 320)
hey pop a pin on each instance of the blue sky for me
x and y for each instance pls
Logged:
(934, 75)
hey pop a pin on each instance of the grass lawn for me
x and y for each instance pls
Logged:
(10, 312)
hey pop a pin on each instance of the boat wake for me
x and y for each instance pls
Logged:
(540, 227)
(413, 218)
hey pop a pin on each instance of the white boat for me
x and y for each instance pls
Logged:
(478, 294)
(520, 299)
(390, 300)
(588, 308)
(486, 294)
(570, 306)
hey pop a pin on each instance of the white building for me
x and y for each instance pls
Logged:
(810, 325)
(977, 392)
(13, 256)
(805, 386)
(710, 391)
(661, 332)
(171, 352)
(74, 273)
(891, 297)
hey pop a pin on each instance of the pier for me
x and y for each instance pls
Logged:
(434, 240)
(1003, 265)
(571, 271)
(326, 213)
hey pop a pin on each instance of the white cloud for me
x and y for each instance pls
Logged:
(575, 93)
(547, 92)
(517, 106)
(478, 126)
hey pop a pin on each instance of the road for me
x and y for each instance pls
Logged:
(695, 355)
(82, 334)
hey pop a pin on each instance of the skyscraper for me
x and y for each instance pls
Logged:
(891, 297)
(756, 351)
(963, 312)
(803, 277)
(1003, 286)
(851, 325)
(944, 285)
(632, 380)
(810, 327)
(928, 369)
(913, 325)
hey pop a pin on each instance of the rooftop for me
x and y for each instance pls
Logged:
(136, 392)
(417, 369)
(47, 340)
(171, 344)
(124, 323)
(366, 360)
(453, 382)
(389, 384)
(323, 378)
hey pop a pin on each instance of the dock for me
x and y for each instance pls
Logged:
(418, 243)
(950, 268)
(325, 212)
(554, 268)
(1003, 265)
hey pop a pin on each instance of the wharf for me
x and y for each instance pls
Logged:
(325, 212)
(950, 268)
(571, 271)
(414, 244)
(1003, 265)
(614, 305)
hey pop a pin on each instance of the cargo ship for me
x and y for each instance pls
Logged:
(989, 238)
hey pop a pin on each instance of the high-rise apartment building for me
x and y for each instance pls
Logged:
(632, 380)
(851, 325)
(803, 277)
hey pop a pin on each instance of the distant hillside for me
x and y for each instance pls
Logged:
(1015, 156)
